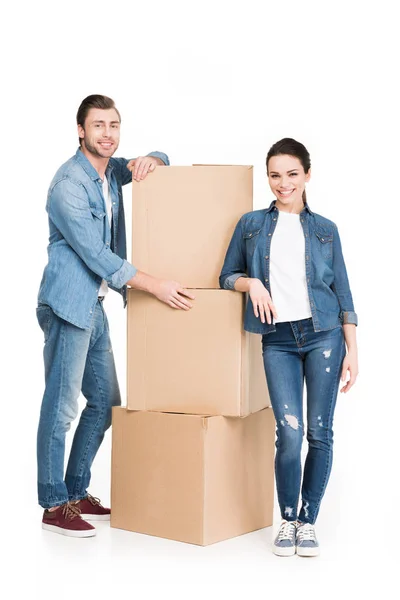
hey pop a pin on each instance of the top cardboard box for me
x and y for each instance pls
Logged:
(183, 219)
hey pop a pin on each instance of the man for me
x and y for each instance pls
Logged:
(86, 256)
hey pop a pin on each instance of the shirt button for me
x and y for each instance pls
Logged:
(270, 234)
(250, 234)
(91, 312)
(307, 257)
(113, 202)
(274, 219)
(266, 280)
(267, 257)
(302, 220)
(322, 240)
(306, 234)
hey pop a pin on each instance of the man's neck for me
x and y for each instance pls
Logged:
(99, 163)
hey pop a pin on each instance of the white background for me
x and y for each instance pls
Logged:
(214, 82)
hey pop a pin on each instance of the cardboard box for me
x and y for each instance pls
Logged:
(183, 219)
(199, 361)
(192, 478)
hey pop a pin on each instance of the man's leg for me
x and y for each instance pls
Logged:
(100, 388)
(64, 353)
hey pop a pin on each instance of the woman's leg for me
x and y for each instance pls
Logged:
(323, 362)
(285, 376)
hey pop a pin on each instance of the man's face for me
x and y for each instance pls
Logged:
(100, 133)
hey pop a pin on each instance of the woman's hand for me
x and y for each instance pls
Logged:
(350, 364)
(262, 303)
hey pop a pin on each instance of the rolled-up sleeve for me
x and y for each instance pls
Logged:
(341, 285)
(69, 209)
(235, 260)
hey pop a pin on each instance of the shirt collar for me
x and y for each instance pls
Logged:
(272, 206)
(89, 168)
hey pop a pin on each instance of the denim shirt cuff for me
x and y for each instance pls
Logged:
(124, 274)
(348, 317)
(161, 155)
(229, 283)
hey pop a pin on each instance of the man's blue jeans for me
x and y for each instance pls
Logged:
(75, 360)
(292, 354)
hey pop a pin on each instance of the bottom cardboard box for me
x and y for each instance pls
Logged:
(192, 478)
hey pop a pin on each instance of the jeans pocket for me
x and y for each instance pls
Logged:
(44, 315)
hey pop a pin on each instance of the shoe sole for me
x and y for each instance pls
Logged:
(77, 533)
(285, 551)
(307, 552)
(95, 517)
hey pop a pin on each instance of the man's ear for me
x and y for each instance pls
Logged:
(81, 132)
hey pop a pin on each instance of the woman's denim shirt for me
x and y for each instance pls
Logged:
(83, 249)
(327, 283)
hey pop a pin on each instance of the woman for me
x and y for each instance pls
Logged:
(289, 260)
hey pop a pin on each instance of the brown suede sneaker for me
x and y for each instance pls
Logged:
(92, 510)
(67, 520)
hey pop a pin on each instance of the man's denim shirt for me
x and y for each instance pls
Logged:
(327, 283)
(82, 250)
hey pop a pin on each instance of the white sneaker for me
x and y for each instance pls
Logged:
(306, 540)
(285, 541)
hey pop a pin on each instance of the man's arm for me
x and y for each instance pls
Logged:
(68, 208)
(139, 167)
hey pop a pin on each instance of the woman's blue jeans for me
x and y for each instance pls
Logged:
(76, 360)
(292, 354)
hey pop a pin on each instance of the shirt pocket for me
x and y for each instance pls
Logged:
(97, 212)
(325, 244)
(251, 239)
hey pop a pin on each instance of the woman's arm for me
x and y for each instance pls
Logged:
(350, 362)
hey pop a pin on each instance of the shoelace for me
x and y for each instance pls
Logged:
(306, 532)
(70, 511)
(286, 531)
(94, 501)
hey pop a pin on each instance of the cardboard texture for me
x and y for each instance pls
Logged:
(183, 219)
(192, 478)
(199, 361)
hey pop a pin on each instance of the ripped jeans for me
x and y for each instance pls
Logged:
(292, 353)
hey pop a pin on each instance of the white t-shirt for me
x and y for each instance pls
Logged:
(107, 197)
(288, 270)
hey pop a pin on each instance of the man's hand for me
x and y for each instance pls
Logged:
(172, 293)
(142, 165)
(262, 301)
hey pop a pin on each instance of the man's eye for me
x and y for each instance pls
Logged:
(294, 174)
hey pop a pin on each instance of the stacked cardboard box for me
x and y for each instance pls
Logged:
(192, 454)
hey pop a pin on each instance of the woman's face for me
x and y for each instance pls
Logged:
(287, 179)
